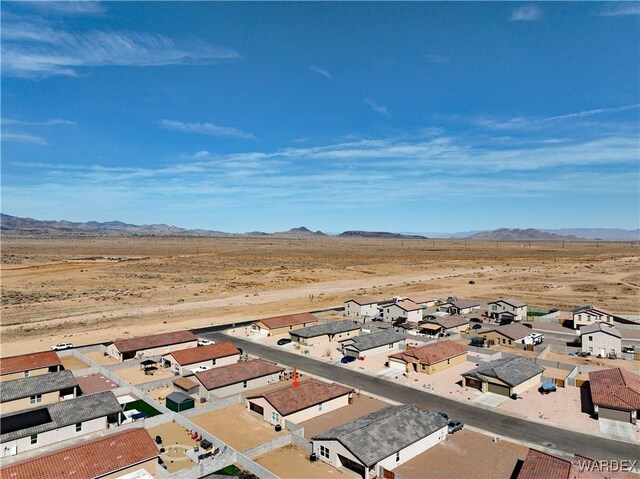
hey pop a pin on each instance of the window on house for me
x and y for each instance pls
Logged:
(509, 341)
(590, 338)
(244, 384)
(320, 407)
(35, 399)
(391, 346)
(78, 426)
(213, 362)
(290, 328)
(34, 439)
(324, 451)
(398, 456)
(590, 349)
(275, 417)
(448, 361)
(424, 367)
(26, 374)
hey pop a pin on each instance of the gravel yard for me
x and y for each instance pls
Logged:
(291, 462)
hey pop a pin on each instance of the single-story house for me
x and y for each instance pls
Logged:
(371, 344)
(537, 465)
(511, 308)
(188, 361)
(424, 301)
(361, 308)
(383, 439)
(239, 377)
(504, 376)
(430, 358)
(323, 333)
(459, 306)
(178, 401)
(507, 335)
(615, 394)
(284, 324)
(586, 315)
(26, 365)
(36, 391)
(601, 339)
(154, 345)
(110, 456)
(440, 325)
(407, 310)
(186, 385)
(311, 398)
(31, 429)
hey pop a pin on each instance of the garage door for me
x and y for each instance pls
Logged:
(473, 383)
(255, 408)
(499, 389)
(616, 415)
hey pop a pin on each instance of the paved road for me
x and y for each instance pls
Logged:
(496, 423)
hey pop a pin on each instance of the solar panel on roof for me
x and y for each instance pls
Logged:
(24, 420)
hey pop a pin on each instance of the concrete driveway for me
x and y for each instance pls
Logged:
(618, 429)
(490, 399)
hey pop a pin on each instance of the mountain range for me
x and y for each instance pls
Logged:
(16, 226)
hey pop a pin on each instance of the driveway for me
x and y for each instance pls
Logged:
(490, 399)
(618, 429)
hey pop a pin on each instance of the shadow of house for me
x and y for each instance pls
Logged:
(586, 404)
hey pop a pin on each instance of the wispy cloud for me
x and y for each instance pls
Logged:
(36, 50)
(526, 13)
(437, 58)
(376, 107)
(51, 122)
(598, 111)
(205, 129)
(616, 9)
(23, 138)
(76, 7)
(321, 71)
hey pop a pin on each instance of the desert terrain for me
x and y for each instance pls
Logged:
(87, 290)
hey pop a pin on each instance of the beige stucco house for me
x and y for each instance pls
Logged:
(238, 378)
(586, 315)
(284, 324)
(430, 358)
(153, 345)
(326, 332)
(37, 391)
(187, 361)
(504, 376)
(508, 335)
(615, 394)
(508, 308)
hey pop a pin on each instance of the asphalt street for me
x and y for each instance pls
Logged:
(487, 420)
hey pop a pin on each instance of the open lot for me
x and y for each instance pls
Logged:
(291, 462)
(72, 363)
(135, 375)
(189, 282)
(101, 358)
(465, 455)
(601, 363)
(237, 427)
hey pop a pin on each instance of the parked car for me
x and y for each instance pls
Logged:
(444, 415)
(547, 388)
(61, 346)
(205, 342)
(629, 349)
(283, 341)
(475, 320)
(476, 326)
(455, 425)
(528, 325)
(583, 354)
(347, 359)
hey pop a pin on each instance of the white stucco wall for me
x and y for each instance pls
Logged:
(601, 341)
(589, 317)
(300, 416)
(501, 307)
(414, 449)
(397, 364)
(357, 311)
(384, 349)
(239, 387)
(186, 370)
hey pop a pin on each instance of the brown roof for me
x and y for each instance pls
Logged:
(616, 388)
(185, 383)
(540, 465)
(154, 341)
(363, 300)
(235, 373)
(451, 321)
(89, 459)
(27, 362)
(512, 331)
(288, 320)
(423, 298)
(204, 353)
(406, 305)
(431, 353)
(95, 383)
(288, 399)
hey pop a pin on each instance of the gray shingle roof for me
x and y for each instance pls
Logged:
(600, 327)
(380, 434)
(65, 413)
(41, 384)
(512, 371)
(368, 341)
(334, 327)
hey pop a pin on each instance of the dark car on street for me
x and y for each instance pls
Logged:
(347, 359)
(283, 341)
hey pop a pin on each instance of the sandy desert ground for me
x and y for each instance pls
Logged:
(87, 290)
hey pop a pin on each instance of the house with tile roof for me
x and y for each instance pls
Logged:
(114, 455)
(187, 361)
(601, 339)
(441, 325)
(384, 439)
(508, 335)
(507, 308)
(311, 398)
(615, 394)
(405, 310)
(361, 307)
(32, 364)
(326, 332)
(504, 376)
(36, 391)
(459, 306)
(153, 345)
(238, 378)
(586, 315)
(284, 324)
(430, 358)
(30, 429)
(542, 465)
(370, 344)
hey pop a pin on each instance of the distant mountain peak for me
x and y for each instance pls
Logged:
(517, 234)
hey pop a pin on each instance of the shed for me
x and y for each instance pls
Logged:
(186, 386)
(177, 401)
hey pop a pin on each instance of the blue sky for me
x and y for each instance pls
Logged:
(417, 117)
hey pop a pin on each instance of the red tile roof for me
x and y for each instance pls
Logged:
(431, 353)
(288, 320)
(363, 300)
(27, 362)
(288, 400)
(204, 353)
(131, 345)
(88, 460)
(540, 465)
(235, 373)
(615, 388)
